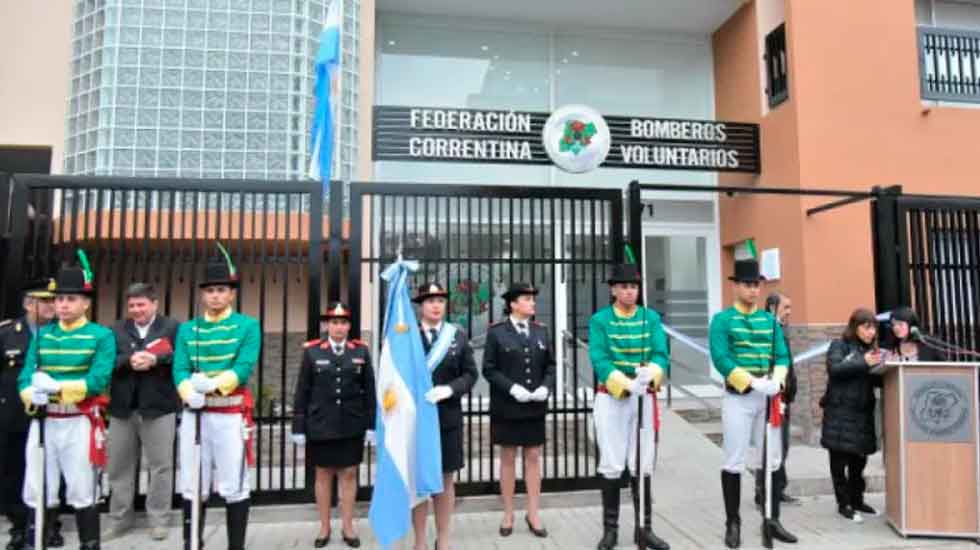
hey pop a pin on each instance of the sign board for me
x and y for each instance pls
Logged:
(518, 137)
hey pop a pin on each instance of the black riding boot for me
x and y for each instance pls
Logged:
(731, 491)
(18, 538)
(776, 529)
(52, 529)
(610, 514)
(89, 530)
(642, 534)
(237, 524)
(186, 524)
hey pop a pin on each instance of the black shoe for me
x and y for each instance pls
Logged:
(865, 509)
(236, 524)
(540, 533)
(789, 499)
(733, 534)
(320, 543)
(850, 514)
(645, 538)
(353, 542)
(778, 532)
(609, 540)
(506, 531)
(18, 539)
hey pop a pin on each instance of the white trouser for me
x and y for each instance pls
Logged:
(222, 456)
(615, 427)
(66, 448)
(742, 419)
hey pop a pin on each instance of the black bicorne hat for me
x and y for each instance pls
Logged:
(747, 271)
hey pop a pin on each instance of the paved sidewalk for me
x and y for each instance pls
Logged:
(688, 512)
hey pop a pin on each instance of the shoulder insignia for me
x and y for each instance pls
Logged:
(311, 343)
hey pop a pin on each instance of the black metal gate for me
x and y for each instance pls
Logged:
(928, 257)
(162, 231)
(476, 240)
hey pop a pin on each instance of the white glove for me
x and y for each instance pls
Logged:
(520, 394)
(43, 382)
(438, 393)
(39, 398)
(540, 394)
(299, 439)
(195, 400)
(202, 383)
(638, 386)
(645, 374)
(765, 386)
(369, 438)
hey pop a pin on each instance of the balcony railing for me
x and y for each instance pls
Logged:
(949, 64)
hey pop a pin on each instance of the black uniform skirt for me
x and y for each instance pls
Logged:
(452, 450)
(337, 453)
(520, 432)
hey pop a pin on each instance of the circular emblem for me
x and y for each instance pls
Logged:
(576, 138)
(401, 328)
(939, 408)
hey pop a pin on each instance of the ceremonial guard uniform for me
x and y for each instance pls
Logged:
(449, 357)
(335, 399)
(518, 356)
(747, 345)
(68, 368)
(213, 360)
(621, 345)
(15, 337)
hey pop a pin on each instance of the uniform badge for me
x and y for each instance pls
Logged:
(357, 361)
(13, 352)
(322, 361)
(541, 345)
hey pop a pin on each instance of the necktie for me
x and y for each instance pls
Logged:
(522, 328)
(433, 334)
(338, 350)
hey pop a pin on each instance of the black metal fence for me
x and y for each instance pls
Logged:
(476, 240)
(949, 64)
(163, 231)
(928, 257)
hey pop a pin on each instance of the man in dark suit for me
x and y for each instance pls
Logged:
(143, 410)
(449, 357)
(15, 336)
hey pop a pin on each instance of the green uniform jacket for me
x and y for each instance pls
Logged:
(80, 356)
(226, 348)
(618, 343)
(742, 346)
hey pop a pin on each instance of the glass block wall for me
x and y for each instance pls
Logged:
(202, 88)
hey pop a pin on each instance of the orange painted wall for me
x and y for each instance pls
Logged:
(855, 119)
(773, 221)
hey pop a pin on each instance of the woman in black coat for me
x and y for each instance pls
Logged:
(848, 411)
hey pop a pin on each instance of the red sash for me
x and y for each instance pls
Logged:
(245, 406)
(776, 410)
(92, 408)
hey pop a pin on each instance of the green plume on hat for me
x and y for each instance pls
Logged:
(231, 266)
(750, 245)
(630, 258)
(86, 267)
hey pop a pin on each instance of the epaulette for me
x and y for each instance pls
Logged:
(352, 344)
(6, 322)
(312, 343)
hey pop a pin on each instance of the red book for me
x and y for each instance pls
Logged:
(160, 346)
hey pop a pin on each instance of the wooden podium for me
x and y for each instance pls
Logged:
(932, 452)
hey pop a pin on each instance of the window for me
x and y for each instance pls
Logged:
(777, 81)
(949, 49)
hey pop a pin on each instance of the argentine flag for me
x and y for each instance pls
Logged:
(409, 455)
(325, 69)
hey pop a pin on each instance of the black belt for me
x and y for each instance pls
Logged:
(731, 389)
